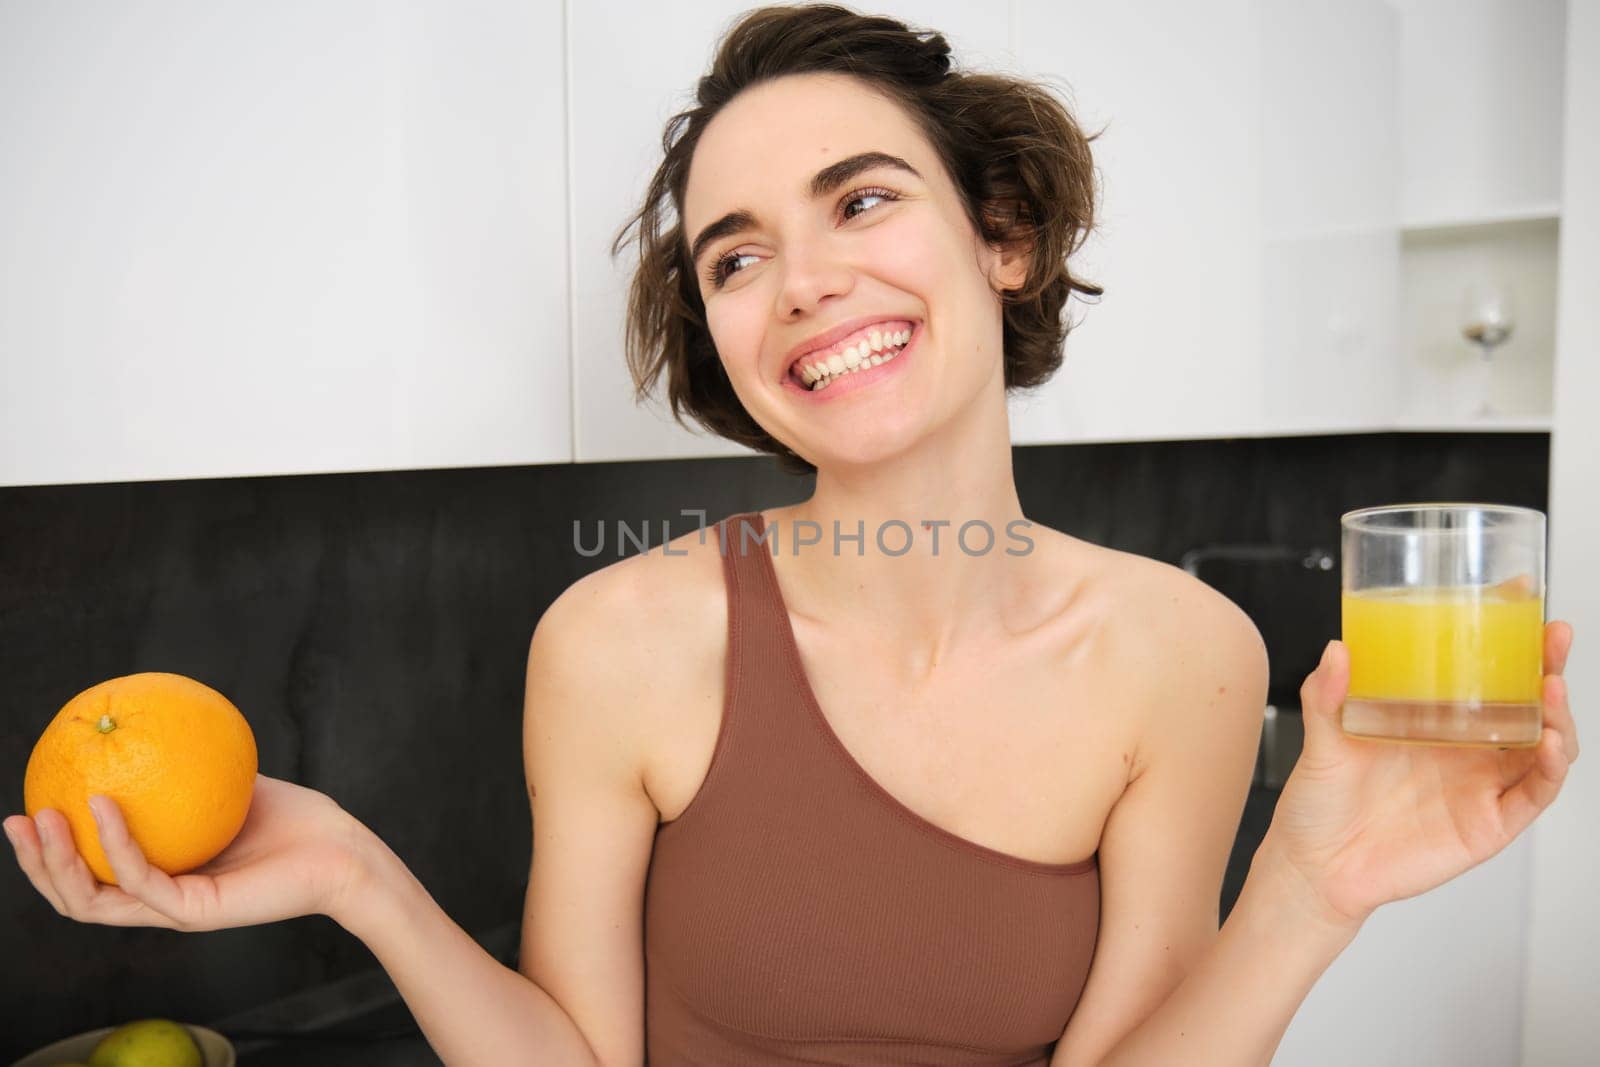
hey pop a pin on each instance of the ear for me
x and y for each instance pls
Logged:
(1008, 263)
(1011, 268)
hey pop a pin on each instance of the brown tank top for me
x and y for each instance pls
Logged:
(796, 912)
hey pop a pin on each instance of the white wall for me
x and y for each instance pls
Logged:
(1433, 981)
(1441, 375)
(1561, 1025)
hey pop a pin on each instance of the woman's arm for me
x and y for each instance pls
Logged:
(1359, 824)
(596, 659)
(1233, 1007)
(472, 1009)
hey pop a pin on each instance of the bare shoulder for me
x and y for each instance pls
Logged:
(641, 636)
(1185, 647)
(1203, 654)
(634, 596)
(1148, 604)
(1173, 606)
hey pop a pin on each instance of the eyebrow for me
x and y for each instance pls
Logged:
(823, 182)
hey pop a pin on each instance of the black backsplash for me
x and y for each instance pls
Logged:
(373, 628)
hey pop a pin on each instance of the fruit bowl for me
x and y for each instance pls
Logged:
(216, 1050)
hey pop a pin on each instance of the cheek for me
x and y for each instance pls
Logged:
(736, 332)
(913, 258)
(934, 263)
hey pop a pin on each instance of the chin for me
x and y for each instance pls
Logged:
(841, 451)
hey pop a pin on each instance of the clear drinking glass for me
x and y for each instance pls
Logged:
(1443, 614)
(1488, 315)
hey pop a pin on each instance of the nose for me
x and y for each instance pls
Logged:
(812, 273)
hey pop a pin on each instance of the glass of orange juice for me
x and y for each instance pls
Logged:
(1443, 614)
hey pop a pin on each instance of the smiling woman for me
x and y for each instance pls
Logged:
(963, 809)
(993, 161)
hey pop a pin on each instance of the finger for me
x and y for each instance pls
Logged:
(1322, 693)
(144, 882)
(1558, 714)
(1522, 802)
(1557, 643)
(1520, 587)
(75, 884)
(24, 836)
(106, 904)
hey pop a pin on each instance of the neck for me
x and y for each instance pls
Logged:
(920, 591)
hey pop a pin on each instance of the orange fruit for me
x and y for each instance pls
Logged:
(176, 755)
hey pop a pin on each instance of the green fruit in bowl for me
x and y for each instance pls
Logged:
(147, 1043)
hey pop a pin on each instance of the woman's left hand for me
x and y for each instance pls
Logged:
(1366, 822)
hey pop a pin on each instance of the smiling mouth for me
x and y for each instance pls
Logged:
(873, 347)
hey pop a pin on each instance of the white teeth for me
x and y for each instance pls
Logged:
(821, 376)
(855, 355)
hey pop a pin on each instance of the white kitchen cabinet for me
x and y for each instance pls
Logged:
(1330, 215)
(618, 112)
(1481, 108)
(252, 239)
(1173, 349)
(363, 236)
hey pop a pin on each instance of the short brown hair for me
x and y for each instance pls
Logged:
(1014, 152)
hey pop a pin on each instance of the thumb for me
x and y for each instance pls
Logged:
(1322, 695)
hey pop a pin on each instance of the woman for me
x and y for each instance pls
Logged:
(902, 790)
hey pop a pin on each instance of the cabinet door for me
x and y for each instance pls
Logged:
(1481, 108)
(1172, 350)
(633, 66)
(280, 238)
(1330, 214)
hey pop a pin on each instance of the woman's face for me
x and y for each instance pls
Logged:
(827, 248)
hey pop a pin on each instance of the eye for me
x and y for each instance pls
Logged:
(865, 194)
(718, 274)
(719, 271)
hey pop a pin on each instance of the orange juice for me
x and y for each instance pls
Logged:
(1445, 665)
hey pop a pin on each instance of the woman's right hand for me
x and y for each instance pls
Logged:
(295, 855)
